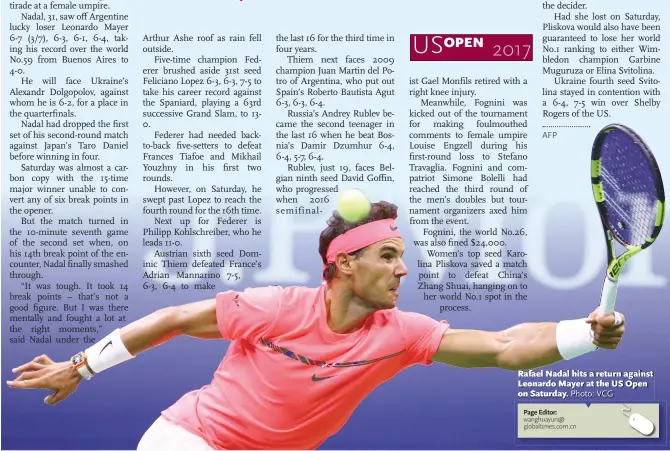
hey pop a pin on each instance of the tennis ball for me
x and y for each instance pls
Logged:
(353, 205)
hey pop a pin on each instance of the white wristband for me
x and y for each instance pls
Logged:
(107, 352)
(574, 338)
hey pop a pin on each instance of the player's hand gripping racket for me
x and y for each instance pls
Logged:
(628, 191)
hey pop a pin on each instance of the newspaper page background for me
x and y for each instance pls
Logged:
(167, 166)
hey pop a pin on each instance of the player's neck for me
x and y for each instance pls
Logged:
(346, 313)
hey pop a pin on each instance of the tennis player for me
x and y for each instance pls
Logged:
(302, 359)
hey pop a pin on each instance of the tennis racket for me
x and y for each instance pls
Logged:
(628, 191)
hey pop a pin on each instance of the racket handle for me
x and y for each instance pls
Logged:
(608, 296)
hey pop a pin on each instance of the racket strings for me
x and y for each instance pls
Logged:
(613, 184)
(640, 213)
(630, 193)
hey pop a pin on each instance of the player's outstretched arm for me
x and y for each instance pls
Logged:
(529, 345)
(197, 319)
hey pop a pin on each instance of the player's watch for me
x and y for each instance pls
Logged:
(80, 363)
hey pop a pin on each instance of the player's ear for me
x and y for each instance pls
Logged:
(344, 263)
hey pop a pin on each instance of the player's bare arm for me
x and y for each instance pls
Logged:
(197, 319)
(529, 345)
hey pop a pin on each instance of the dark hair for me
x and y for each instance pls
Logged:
(337, 226)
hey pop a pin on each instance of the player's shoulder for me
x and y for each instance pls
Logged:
(299, 306)
(413, 327)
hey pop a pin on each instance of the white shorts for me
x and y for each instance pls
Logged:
(165, 436)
